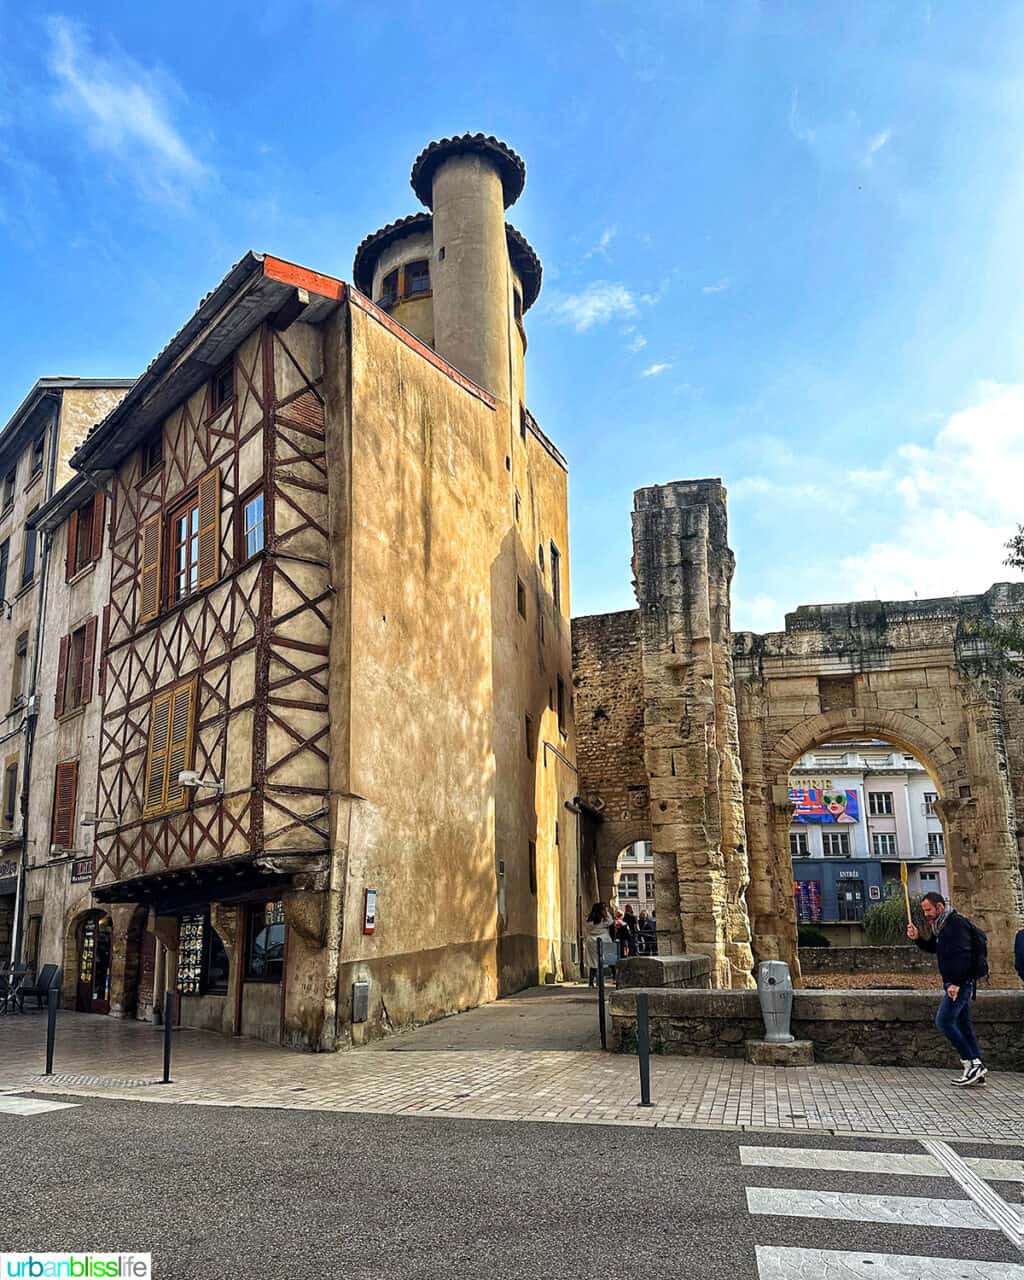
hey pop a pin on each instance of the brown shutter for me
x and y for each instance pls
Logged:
(156, 756)
(72, 556)
(104, 642)
(62, 675)
(209, 528)
(149, 568)
(181, 741)
(98, 527)
(65, 794)
(88, 657)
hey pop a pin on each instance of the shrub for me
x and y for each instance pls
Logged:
(808, 936)
(885, 924)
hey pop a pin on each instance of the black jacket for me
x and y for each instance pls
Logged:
(1018, 954)
(954, 949)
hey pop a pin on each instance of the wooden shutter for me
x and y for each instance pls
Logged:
(98, 527)
(62, 675)
(209, 528)
(156, 756)
(181, 741)
(88, 658)
(65, 793)
(149, 567)
(72, 556)
(104, 642)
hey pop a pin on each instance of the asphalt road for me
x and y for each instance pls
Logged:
(218, 1192)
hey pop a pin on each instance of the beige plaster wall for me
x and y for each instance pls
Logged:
(81, 408)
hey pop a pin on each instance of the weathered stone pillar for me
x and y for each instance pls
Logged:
(683, 570)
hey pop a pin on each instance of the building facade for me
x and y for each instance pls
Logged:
(860, 810)
(335, 763)
(35, 447)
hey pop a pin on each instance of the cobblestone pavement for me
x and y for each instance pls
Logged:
(480, 1077)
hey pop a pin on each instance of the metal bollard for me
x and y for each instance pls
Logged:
(775, 992)
(600, 995)
(168, 1028)
(51, 1027)
(643, 1048)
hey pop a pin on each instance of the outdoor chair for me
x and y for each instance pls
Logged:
(12, 999)
(50, 975)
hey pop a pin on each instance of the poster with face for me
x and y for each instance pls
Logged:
(811, 804)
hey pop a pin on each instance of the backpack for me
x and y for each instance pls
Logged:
(979, 950)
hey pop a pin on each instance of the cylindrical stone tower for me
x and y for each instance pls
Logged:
(469, 182)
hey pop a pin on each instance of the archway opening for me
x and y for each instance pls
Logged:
(862, 810)
(93, 953)
(634, 893)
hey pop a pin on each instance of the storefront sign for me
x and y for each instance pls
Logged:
(191, 950)
(848, 875)
(370, 911)
(81, 870)
(808, 900)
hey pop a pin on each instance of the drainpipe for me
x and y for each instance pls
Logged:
(32, 710)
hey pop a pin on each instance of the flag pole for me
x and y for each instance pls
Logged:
(906, 891)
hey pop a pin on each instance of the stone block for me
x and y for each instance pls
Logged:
(897, 699)
(689, 971)
(766, 1053)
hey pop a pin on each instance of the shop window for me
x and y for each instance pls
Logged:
(38, 450)
(10, 796)
(264, 951)
(170, 747)
(74, 668)
(417, 278)
(20, 670)
(65, 795)
(85, 536)
(222, 386)
(798, 844)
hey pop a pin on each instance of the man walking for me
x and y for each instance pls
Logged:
(960, 953)
(1018, 954)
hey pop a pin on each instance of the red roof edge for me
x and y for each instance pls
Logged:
(303, 278)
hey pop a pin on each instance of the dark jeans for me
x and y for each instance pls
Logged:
(954, 1021)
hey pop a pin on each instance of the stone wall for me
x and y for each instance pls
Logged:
(693, 972)
(865, 960)
(876, 1028)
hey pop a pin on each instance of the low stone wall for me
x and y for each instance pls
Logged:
(693, 972)
(877, 1028)
(865, 960)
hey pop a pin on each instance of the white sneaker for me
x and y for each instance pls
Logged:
(962, 1078)
(975, 1073)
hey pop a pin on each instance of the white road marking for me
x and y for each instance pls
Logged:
(1005, 1217)
(825, 1264)
(845, 1206)
(880, 1162)
(12, 1106)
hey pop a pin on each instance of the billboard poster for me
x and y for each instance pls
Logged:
(814, 804)
(808, 900)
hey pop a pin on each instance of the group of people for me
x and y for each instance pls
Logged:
(633, 935)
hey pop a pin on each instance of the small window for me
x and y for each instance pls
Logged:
(65, 789)
(936, 844)
(835, 844)
(517, 506)
(417, 278)
(930, 797)
(10, 796)
(84, 535)
(540, 556)
(153, 453)
(558, 834)
(528, 731)
(38, 449)
(28, 564)
(522, 420)
(222, 386)
(169, 750)
(517, 307)
(74, 668)
(798, 844)
(649, 885)
(629, 885)
(264, 952)
(884, 844)
(520, 598)
(556, 576)
(185, 549)
(880, 803)
(928, 877)
(252, 526)
(10, 484)
(532, 853)
(560, 685)
(20, 670)
(389, 289)
(5, 555)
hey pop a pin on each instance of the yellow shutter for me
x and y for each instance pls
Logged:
(156, 756)
(149, 568)
(209, 528)
(180, 752)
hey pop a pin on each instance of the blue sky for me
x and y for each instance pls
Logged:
(781, 241)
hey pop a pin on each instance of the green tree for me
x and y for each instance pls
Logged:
(885, 924)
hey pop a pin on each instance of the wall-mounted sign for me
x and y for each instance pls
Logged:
(191, 951)
(811, 804)
(808, 900)
(875, 892)
(81, 870)
(8, 868)
(370, 911)
(849, 875)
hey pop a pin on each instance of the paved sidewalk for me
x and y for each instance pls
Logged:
(469, 1067)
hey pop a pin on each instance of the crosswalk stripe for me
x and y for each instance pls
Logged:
(1005, 1216)
(12, 1106)
(844, 1206)
(825, 1264)
(880, 1162)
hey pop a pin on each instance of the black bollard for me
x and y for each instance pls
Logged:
(643, 1047)
(600, 994)
(51, 1027)
(168, 1028)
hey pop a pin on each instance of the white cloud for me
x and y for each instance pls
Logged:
(759, 613)
(875, 145)
(598, 303)
(653, 370)
(124, 110)
(799, 131)
(637, 344)
(839, 141)
(607, 236)
(720, 287)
